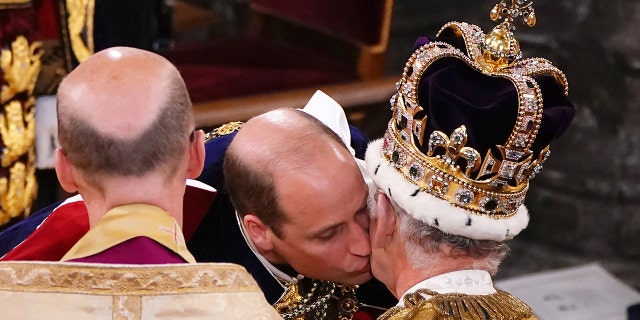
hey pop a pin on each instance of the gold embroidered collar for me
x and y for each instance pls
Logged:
(499, 305)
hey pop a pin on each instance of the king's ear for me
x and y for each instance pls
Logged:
(384, 224)
(65, 172)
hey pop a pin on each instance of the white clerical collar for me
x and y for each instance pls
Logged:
(277, 273)
(473, 282)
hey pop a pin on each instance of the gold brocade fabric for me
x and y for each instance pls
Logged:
(59, 290)
(20, 63)
(455, 306)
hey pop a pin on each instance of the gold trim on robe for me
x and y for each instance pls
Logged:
(453, 306)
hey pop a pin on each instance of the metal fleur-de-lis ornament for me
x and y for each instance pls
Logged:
(500, 48)
(455, 149)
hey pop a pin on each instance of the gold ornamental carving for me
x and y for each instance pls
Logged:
(17, 128)
(18, 190)
(21, 65)
(80, 22)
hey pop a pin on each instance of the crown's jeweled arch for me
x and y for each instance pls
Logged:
(494, 185)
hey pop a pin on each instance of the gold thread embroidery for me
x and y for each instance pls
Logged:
(125, 280)
(289, 300)
(313, 305)
(348, 303)
(223, 130)
(499, 305)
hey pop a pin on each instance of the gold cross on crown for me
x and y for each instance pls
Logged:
(518, 8)
(500, 47)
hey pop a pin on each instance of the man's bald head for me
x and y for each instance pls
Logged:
(284, 138)
(123, 111)
(118, 91)
(282, 141)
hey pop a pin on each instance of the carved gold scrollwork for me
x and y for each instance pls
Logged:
(80, 22)
(18, 190)
(21, 66)
(18, 138)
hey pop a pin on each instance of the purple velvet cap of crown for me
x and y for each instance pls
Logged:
(453, 94)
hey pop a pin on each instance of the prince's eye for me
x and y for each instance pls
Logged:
(327, 235)
(330, 233)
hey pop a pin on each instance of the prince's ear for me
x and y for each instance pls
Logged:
(196, 154)
(258, 232)
(65, 172)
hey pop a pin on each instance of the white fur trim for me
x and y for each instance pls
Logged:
(429, 209)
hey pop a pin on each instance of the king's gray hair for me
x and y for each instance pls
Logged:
(422, 239)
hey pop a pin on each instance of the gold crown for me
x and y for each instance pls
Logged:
(496, 184)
